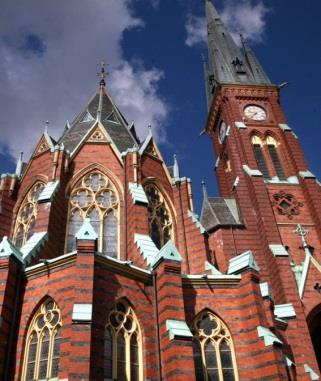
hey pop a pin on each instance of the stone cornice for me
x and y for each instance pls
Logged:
(125, 268)
(50, 265)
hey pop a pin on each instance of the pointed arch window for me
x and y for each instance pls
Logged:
(214, 355)
(95, 197)
(27, 215)
(273, 151)
(259, 156)
(123, 345)
(42, 351)
(159, 218)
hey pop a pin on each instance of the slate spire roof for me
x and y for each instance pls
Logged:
(100, 108)
(226, 62)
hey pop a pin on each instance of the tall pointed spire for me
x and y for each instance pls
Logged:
(226, 61)
(257, 70)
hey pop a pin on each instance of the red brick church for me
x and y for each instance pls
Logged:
(107, 273)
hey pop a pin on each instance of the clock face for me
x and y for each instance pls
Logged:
(222, 131)
(255, 113)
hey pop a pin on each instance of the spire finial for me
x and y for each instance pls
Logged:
(204, 190)
(102, 74)
(46, 126)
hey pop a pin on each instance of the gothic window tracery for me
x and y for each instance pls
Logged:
(42, 351)
(95, 197)
(159, 219)
(122, 345)
(214, 355)
(27, 215)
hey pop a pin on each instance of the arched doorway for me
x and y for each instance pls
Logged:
(314, 322)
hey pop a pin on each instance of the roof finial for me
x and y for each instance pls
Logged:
(102, 74)
(46, 126)
(204, 190)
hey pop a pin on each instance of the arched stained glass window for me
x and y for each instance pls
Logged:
(42, 349)
(94, 197)
(123, 345)
(213, 349)
(26, 217)
(160, 221)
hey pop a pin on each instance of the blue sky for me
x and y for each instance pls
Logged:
(49, 54)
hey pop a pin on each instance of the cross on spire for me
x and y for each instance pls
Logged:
(302, 232)
(102, 74)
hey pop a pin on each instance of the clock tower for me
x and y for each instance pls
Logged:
(261, 168)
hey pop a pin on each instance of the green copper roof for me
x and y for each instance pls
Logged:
(86, 232)
(7, 248)
(169, 252)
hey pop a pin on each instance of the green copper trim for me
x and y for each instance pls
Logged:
(168, 252)
(86, 232)
(7, 248)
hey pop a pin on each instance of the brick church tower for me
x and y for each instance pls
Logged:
(107, 273)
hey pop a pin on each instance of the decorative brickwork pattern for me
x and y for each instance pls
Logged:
(286, 204)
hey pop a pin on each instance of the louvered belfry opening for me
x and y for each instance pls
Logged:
(261, 161)
(276, 162)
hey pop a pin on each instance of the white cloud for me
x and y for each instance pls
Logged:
(155, 3)
(196, 30)
(240, 16)
(245, 18)
(49, 55)
(134, 90)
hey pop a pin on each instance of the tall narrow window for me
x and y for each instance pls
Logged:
(27, 214)
(123, 345)
(259, 156)
(272, 147)
(42, 352)
(160, 222)
(213, 349)
(94, 197)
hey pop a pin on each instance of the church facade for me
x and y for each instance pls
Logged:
(107, 273)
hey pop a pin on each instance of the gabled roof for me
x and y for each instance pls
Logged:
(100, 108)
(218, 212)
(45, 143)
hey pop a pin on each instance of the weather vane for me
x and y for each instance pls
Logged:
(102, 73)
